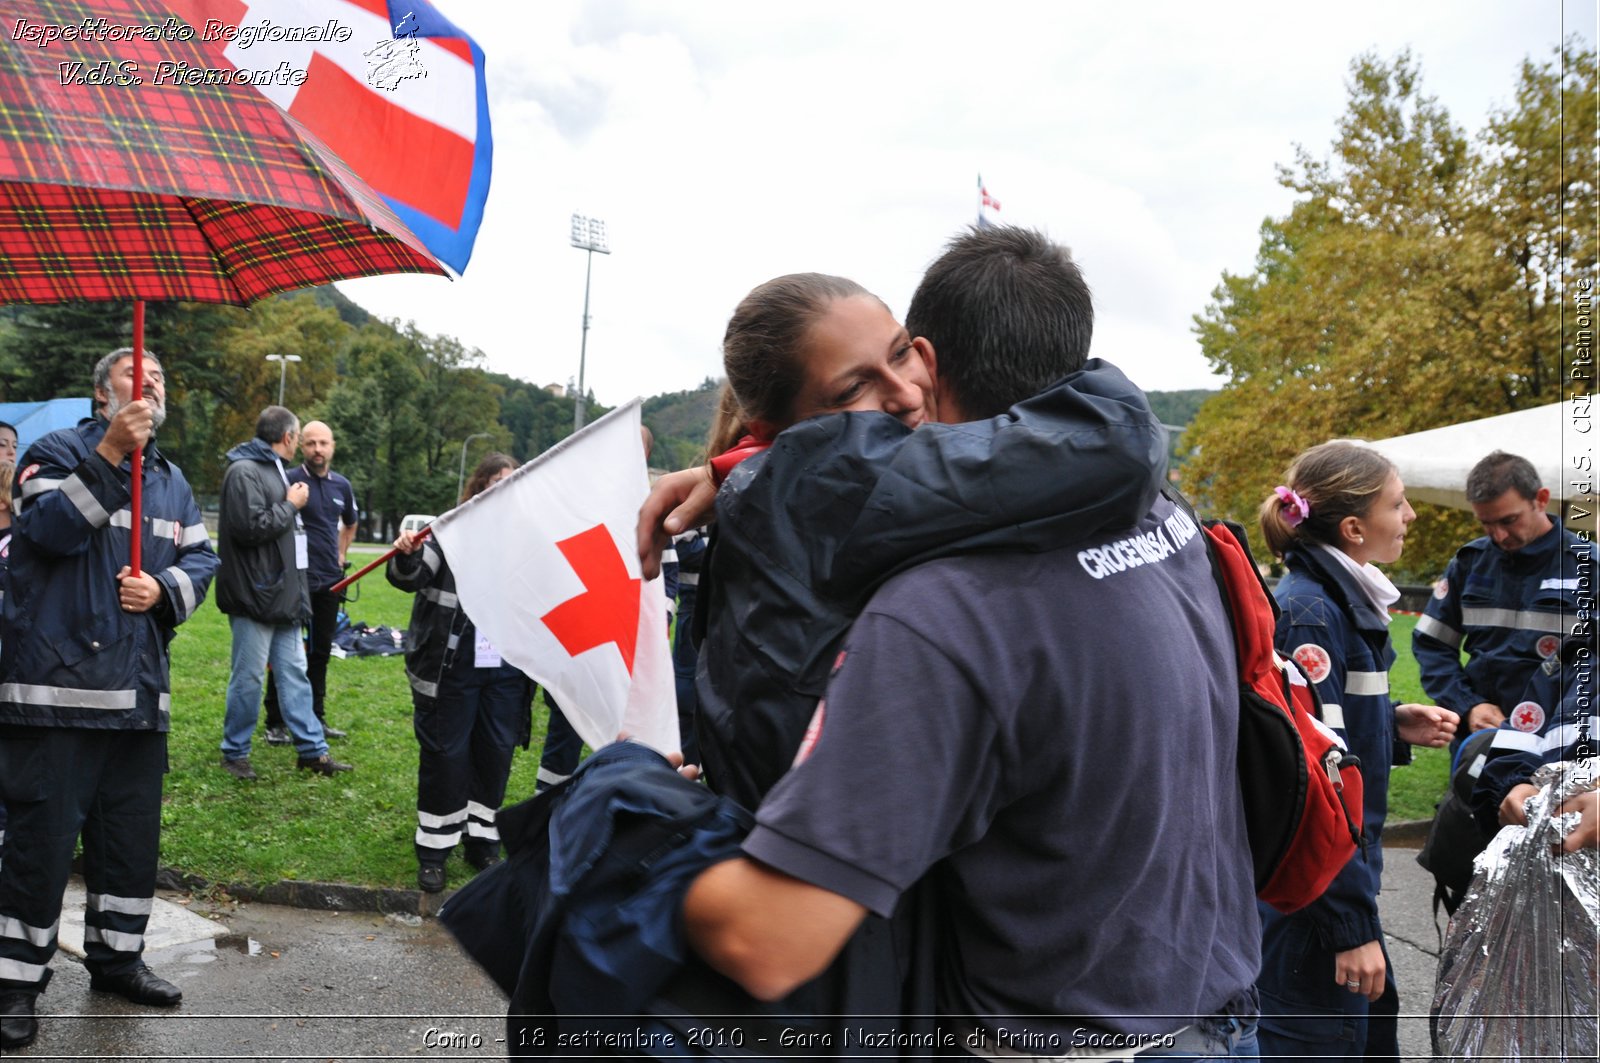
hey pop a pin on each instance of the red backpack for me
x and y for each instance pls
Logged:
(1302, 788)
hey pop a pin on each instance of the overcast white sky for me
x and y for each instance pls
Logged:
(725, 142)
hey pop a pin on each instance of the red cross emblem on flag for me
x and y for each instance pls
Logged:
(608, 608)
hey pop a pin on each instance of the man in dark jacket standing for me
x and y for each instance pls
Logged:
(263, 589)
(84, 700)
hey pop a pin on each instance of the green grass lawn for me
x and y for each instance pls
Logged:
(356, 827)
(1414, 788)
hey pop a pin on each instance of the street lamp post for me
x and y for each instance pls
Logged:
(589, 235)
(283, 361)
(461, 475)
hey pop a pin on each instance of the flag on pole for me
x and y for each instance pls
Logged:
(986, 203)
(545, 566)
(394, 89)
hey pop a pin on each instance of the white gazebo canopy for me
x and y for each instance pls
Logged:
(1559, 439)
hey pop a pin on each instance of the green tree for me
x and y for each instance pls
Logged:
(1394, 297)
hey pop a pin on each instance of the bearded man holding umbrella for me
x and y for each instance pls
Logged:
(147, 190)
(84, 702)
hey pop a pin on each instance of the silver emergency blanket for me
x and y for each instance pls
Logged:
(1517, 975)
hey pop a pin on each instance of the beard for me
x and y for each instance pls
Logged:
(158, 410)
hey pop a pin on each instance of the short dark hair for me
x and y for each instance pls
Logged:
(1008, 314)
(274, 422)
(1498, 473)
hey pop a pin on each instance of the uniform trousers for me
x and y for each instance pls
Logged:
(60, 782)
(466, 736)
(563, 747)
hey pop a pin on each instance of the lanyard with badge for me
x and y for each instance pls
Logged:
(302, 551)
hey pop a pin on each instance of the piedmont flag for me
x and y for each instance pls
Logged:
(545, 565)
(394, 89)
(986, 203)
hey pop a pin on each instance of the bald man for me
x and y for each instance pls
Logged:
(330, 519)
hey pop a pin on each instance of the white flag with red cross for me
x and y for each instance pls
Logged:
(546, 567)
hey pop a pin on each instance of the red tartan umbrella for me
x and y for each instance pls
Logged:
(121, 179)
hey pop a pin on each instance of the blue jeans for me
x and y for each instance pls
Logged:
(1231, 1037)
(254, 645)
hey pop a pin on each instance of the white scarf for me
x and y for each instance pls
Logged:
(1374, 584)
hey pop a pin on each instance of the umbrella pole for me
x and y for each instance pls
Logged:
(136, 460)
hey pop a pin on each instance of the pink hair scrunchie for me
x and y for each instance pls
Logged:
(1295, 508)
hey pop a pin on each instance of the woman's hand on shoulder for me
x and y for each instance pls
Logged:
(1425, 725)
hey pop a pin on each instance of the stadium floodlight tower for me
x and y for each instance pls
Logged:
(589, 235)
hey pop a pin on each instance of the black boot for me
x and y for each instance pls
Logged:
(139, 986)
(18, 1027)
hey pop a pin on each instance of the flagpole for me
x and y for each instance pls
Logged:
(364, 569)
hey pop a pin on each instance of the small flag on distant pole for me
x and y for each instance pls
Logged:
(986, 203)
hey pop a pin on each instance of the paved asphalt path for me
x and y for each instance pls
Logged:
(287, 983)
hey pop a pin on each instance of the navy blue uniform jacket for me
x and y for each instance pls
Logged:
(72, 657)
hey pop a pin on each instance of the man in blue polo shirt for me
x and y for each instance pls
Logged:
(330, 519)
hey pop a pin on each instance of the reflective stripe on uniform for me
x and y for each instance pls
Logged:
(17, 930)
(1555, 738)
(107, 902)
(119, 941)
(67, 697)
(428, 819)
(186, 597)
(486, 831)
(182, 535)
(1438, 629)
(1333, 715)
(431, 557)
(1506, 738)
(444, 598)
(1516, 619)
(438, 841)
(79, 495)
(17, 971)
(38, 485)
(1366, 683)
(422, 686)
(75, 698)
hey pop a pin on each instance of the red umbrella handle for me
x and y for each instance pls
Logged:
(137, 459)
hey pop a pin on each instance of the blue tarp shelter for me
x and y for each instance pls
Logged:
(35, 419)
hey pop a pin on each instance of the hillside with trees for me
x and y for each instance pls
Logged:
(408, 409)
